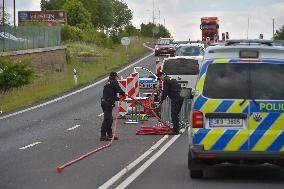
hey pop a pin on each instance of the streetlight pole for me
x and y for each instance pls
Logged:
(3, 13)
(14, 13)
(248, 28)
(273, 29)
(153, 11)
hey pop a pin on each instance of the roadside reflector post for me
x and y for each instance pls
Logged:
(75, 76)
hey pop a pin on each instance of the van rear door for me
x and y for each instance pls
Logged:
(266, 120)
(224, 106)
(184, 70)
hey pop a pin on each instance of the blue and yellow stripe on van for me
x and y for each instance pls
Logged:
(267, 135)
(264, 135)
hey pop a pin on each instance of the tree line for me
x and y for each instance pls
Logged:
(112, 17)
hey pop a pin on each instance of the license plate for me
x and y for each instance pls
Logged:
(164, 51)
(225, 122)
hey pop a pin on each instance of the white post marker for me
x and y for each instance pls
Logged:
(1, 71)
(75, 76)
(125, 41)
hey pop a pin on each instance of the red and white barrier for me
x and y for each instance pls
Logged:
(158, 70)
(131, 88)
(136, 83)
(123, 106)
(158, 66)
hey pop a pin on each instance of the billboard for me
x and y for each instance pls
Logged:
(53, 17)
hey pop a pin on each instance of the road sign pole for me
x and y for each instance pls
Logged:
(125, 41)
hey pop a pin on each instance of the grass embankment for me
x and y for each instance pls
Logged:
(90, 62)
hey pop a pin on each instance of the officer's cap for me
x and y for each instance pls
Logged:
(113, 75)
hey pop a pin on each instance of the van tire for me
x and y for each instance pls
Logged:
(196, 174)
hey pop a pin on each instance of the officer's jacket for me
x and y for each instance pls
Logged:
(110, 91)
(171, 88)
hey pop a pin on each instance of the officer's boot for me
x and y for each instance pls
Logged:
(104, 137)
(109, 135)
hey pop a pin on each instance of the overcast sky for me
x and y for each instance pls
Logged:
(182, 17)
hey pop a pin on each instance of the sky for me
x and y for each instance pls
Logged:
(182, 17)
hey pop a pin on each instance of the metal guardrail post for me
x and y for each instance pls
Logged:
(184, 113)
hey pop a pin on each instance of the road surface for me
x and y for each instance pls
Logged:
(33, 143)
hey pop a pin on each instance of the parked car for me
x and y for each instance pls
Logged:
(10, 37)
(165, 46)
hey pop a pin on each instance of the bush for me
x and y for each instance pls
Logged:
(88, 35)
(71, 33)
(14, 74)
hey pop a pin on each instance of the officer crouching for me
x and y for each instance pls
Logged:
(111, 89)
(171, 88)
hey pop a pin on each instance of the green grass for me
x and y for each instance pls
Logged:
(51, 84)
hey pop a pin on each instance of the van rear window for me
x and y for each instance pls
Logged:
(181, 67)
(245, 81)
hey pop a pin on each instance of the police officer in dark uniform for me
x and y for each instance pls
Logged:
(111, 88)
(172, 89)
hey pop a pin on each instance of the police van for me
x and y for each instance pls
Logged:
(147, 79)
(238, 108)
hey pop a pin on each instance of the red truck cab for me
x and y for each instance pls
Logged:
(210, 28)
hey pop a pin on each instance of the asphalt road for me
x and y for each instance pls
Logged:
(34, 143)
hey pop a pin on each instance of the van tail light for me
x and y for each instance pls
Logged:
(197, 119)
(206, 157)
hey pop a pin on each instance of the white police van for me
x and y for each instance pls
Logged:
(237, 111)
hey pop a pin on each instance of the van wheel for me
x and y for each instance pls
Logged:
(196, 174)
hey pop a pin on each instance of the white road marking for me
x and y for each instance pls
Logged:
(30, 145)
(143, 167)
(101, 114)
(72, 128)
(78, 91)
(125, 170)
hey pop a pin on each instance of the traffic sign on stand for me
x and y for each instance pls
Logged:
(155, 30)
(125, 41)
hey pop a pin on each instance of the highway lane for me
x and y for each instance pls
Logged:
(170, 171)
